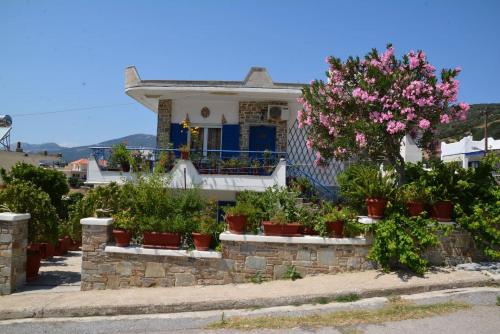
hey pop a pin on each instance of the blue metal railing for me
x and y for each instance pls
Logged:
(207, 161)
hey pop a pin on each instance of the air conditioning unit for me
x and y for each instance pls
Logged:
(278, 113)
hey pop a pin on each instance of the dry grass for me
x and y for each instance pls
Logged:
(393, 311)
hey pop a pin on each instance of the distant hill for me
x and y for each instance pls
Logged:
(474, 124)
(75, 153)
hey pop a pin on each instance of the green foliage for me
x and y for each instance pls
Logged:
(484, 225)
(206, 221)
(414, 191)
(257, 278)
(75, 182)
(244, 207)
(361, 181)
(26, 197)
(279, 217)
(400, 242)
(51, 181)
(308, 215)
(292, 273)
(126, 221)
(120, 156)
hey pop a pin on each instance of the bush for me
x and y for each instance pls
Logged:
(26, 197)
(75, 182)
(400, 242)
(52, 182)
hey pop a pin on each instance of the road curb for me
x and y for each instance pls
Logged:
(229, 304)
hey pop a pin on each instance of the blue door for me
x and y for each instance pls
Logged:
(262, 138)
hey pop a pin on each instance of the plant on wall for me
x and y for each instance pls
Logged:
(368, 105)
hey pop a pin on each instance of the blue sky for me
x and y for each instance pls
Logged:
(59, 55)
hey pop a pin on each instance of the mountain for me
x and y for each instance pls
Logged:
(75, 153)
(474, 124)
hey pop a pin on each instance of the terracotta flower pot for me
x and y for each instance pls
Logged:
(47, 250)
(61, 247)
(202, 241)
(33, 260)
(184, 155)
(237, 224)
(376, 207)
(336, 228)
(285, 230)
(162, 240)
(415, 208)
(122, 237)
(442, 211)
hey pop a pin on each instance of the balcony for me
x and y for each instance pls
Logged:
(210, 170)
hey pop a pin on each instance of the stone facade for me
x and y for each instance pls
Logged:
(13, 243)
(272, 260)
(163, 125)
(455, 248)
(254, 113)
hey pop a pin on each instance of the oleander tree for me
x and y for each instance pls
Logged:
(366, 106)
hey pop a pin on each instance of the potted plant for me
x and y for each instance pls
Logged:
(205, 226)
(236, 216)
(162, 232)
(414, 196)
(377, 187)
(335, 219)
(307, 216)
(120, 156)
(255, 167)
(278, 225)
(441, 204)
(123, 228)
(184, 149)
(33, 260)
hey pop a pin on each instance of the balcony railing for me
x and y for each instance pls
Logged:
(227, 162)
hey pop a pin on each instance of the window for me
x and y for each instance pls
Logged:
(208, 138)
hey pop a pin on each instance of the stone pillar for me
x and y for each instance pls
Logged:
(13, 243)
(164, 120)
(96, 232)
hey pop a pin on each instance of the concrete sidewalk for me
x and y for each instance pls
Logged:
(241, 296)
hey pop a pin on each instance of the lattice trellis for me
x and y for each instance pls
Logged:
(301, 164)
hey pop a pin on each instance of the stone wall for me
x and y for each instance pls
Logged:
(13, 243)
(255, 113)
(272, 260)
(105, 266)
(163, 125)
(455, 248)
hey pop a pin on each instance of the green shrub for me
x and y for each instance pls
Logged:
(400, 241)
(51, 181)
(26, 197)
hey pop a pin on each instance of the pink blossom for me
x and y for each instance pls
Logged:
(360, 139)
(444, 118)
(395, 127)
(424, 124)
(309, 144)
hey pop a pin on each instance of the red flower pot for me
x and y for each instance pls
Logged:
(336, 228)
(237, 224)
(33, 260)
(415, 208)
(184, 155)
(202, 241)
(47, 250)
(61, 247)
(376, 207)
(162, 240)
(122, 237)
(442, 211)
(307, 231)
(285, 230)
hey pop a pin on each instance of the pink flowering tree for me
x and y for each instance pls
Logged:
(366, 106)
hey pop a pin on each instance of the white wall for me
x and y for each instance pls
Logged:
(193, 107)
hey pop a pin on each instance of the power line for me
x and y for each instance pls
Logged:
(72, 110)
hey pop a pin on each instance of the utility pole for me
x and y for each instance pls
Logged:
(485, 131)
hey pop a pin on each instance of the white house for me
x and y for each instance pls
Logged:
(467, 151)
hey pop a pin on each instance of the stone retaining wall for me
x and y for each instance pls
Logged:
(243, 258)
(13, 243)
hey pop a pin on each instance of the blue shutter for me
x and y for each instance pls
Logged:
(230, 139)
(178, 136)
